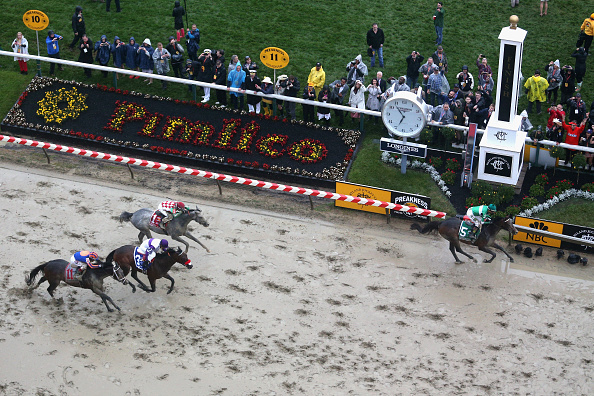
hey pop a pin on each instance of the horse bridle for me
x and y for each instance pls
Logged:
(116, 268)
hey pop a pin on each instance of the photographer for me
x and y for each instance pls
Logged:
(206, 72)
(413, 63)
(483, 66)
(177, 56)
(161, 59)
(357, 70)
(118, 49)
(53, 49)
(279, 89)
(340, 90)
(220, 78)
(103, 52)
(292, 89)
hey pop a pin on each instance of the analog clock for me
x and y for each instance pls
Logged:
(404, 114)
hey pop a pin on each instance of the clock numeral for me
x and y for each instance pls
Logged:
(418, 111)
(391, 107)
(390, 121)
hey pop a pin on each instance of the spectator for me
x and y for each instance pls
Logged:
(178, 20)
(206, 72)
(161, 60)
(357, 70)
(567, 83)
(373, 98)
(434, 85)
(233, 63)
(525, 125)
(572, 136)
(267, 89)
(249, 65)
(324, 112)
(103, 52)
(515, 3)
(108, 5)
(177, 57)
(309, 93)
(457, 109)
(118, 50)
(483, 66)
(591, 116)
(555, 113)
(193, 42)
(480, 104)
(357, 98)
(581, 56)
(576, 108)
(253, 83)
(317, 77)
(556, 133)
(86, 53)
(279, 88)
(292, 90)
(413, 64)
(536, 90)
(438, 22)
(220, 78)
(192, 70)
(458, 94)
(340, 90)
(375, 41)
(440, 59)
(132, 56)
(486, 84)
(587, 140)
(465, 80)
(441, 115)
(381, 82)
(78, 26)
(145, 59)
(469, 111)
(586, 34)
(537, 135)
(427, 70)
(218, 54)
(20, 45)
(544, 3)
(53, 49)
(401, 85)
(236, 78)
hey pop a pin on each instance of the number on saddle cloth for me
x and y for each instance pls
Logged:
(139, 260)
(465, 233)
(156, 219)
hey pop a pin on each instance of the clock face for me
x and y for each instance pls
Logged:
(404, 115)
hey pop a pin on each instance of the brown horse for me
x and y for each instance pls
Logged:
(55, 272)
(450, 227)
(124, 257)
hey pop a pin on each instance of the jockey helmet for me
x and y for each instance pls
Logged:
(181, 205)
(93, 255)
(164, 244)
(492, 207)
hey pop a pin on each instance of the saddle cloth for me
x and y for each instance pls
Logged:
(465, 232)
(138, 261)
(156, 219)
(69, 272)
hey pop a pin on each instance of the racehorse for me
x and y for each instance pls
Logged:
(55, 272)
(177, 227)
(124, 257)
(450, 227)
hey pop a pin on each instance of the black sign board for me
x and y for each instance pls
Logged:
(577, 232)
(403, 148)
(505, 87)
(498, 165)
(411, 200)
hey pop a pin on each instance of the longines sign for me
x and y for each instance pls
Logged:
(403, 148)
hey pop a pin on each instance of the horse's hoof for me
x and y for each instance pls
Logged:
(459, 262)
(474, 260)
(109, 310)
(511, 260)
(169, 291)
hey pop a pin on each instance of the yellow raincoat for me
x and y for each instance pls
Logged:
(317, 78)
(536, 87)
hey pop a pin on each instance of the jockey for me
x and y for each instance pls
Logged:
(479, 215)
(149, 249)
(169, 209)
(81, 260)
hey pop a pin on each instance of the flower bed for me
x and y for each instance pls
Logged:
(173, 128)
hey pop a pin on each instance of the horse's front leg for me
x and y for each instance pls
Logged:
(177, 238)
(487, 250)
(167, 276)
(504, 252)
(195, 240)
(134, 275)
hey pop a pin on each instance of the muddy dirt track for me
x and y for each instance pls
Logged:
(289, 301)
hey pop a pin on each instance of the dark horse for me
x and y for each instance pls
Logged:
(450, 227)
(175, 228)
(55, 272)
(124, 257)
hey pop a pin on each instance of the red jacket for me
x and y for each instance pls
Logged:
(573, 135)
(554, 114)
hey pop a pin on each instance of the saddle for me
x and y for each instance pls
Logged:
(70, 275)
(156, 219)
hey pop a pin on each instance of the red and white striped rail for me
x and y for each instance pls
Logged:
(221, 177)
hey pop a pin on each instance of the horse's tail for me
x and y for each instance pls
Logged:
(109, 258)
(31, 277)
(431, 226)
(125, 216)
